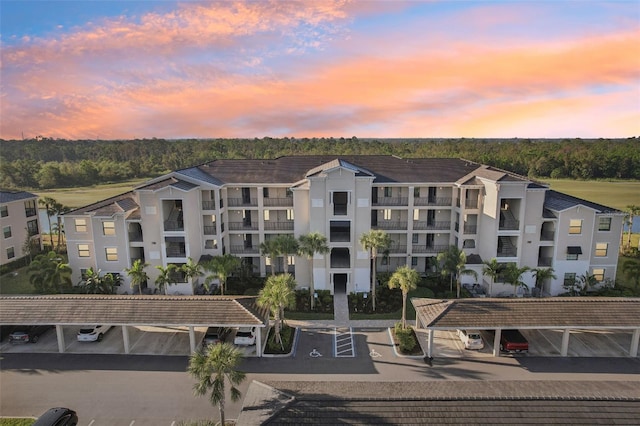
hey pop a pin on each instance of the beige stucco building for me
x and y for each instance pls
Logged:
(19, 221)
(424, 204)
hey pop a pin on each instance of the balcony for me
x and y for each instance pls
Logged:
(432, 201)
(471, 203)
(391, 225)
(135, 236)
(243, 226)
(175, 251)
(508, 222)
(279, 226)
(391, 201)
(547, 235)
(29, 211)
(241, 249)
(278, 202)
(242, 202)
(429, 249)
(397, 248)
(545, 261)
(470, 229)
(209, 230)
(421, 225)
(208, 205)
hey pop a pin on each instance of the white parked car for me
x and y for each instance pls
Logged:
(92, 333)
(245, 336)
(472, 339)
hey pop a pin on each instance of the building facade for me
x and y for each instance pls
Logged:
(423, 204)
(20, 223)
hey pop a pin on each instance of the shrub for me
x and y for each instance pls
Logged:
(287, 333)
(407, 341)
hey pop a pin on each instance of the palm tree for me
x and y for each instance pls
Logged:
(48, 204)
(585, 282)
(287, 245)
(406, 279)
(277, 294)
(212, 368)
(137, 274)
(513, 275)
(374, 242)
(191, 269)
(166, 278)
(632, 210)
(49, 273)
(59, 210)
(492, 269)
(542, 275)
(454, 261)
(631, 269)
(309, 245)
(270, 249)
(221, 267)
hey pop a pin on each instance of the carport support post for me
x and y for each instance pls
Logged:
(496, 342)
(565, 342)
(125, 338)
(633, 351)
(60, 336)
(258, 341)
(192, 338)
(430, 343)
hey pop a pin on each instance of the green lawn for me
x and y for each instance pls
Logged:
(16, 421)
(79, 197)
(397, 315)
(616, 194)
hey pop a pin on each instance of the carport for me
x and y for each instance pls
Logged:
(132, 311)
(558, 313)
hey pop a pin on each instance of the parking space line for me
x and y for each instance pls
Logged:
(343, 343)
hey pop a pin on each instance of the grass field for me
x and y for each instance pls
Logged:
(616, 194)
(82, 196)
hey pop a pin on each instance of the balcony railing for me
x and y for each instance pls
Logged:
(173, 225)
(391, 201)
(278, 202)
(471, 203)
(209, 230)
(279, 226)
(176, 252)
(507, 252)
(391, 225)
(241, 249)
(470, 229)
(547, 235)
(398, 248)
(135, 236)
(242, 202)
(208, 205)
(432, 201)
(30, 211)
(242, 226)
(421, 225)
(545, 261)
(339, 237)
(509, 225)
(429, 249)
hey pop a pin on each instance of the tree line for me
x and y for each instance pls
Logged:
(55, 163)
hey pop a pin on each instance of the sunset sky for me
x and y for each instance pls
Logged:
(142, 69)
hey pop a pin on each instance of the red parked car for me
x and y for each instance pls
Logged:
(513, 341)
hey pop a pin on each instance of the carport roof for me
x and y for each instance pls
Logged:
(556, 312)
(131, 310)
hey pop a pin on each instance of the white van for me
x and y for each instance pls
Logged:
(472, 339)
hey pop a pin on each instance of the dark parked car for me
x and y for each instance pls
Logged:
(215, 335)
(513, 341)
(28, 334)
(6, 330)
(58, 416)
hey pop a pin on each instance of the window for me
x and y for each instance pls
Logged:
(4, 212)
(416, 214)
(112, 254)
(30, 208)
(290, 214)
(414, 261)
(604, 224)
(266, 215)
(598, 274)
(83, 250)
(601, 249)
(81, 225)
(569, 279)
(573, 252)
(414, 238)
(7, 231)
(83, 273)
(32, 228)
(386, 214)
(575, 226)
(109, 228)
(11, 253)
(387, 191)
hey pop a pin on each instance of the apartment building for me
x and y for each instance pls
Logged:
(424, 204)
(19, 221)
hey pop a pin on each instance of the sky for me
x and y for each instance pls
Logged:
(108, 69)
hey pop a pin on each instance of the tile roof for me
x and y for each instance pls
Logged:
(131, 310)
(442, 402)
(558, 201)
(10, 196)
(559, 312)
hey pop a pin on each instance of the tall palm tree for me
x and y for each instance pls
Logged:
(221, 267)
(374, 241)
(48, 204)
(513, 275)
(191, 269)
(213, 368)
(406, 279)
(49, 273)
(454, 261)
(631, 269)
(632, 210)
(270, 249)
(287, 245)
(309, 245)
(492, 269)
(542, 275)
(277, 294)
(137, 274)
(166, 278)
(59, 210)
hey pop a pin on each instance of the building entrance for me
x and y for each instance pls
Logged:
(340, 283)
